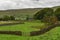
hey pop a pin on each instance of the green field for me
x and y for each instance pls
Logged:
(26, 27)
(53, 34)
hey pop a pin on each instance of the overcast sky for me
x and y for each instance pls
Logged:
(19, 4)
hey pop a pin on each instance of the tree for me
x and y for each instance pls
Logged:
(57, 13)
(12, 18)
(40, 14)
(6, 18)
(1, 19)
(27, 17)
(52, 19)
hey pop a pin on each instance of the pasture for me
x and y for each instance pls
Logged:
(26, 27)
(53, 34)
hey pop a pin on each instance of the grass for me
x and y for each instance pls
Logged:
(19, 12)
(27, 27)
(9, 22)
(53, 34)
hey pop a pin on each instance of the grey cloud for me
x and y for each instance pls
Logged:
(18, 4)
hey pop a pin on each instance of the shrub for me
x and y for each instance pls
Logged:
(50, 19)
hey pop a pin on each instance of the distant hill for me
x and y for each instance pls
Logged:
(56, 7)
(19, 12)
(22, 12)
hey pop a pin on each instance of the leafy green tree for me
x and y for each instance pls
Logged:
(6, 18)
(40, 14)
(1, 19)
(57, 13)
(27, 17)
(12, 18)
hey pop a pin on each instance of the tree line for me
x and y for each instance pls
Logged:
(7, 18)
(49, 15)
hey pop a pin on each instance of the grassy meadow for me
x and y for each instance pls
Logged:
(54, 34)
(26, 27)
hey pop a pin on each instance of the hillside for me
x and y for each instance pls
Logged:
(19, 12)
(22, 12)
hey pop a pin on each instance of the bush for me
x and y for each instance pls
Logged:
(50, 19)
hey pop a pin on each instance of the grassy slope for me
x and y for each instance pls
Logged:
(20, 12)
